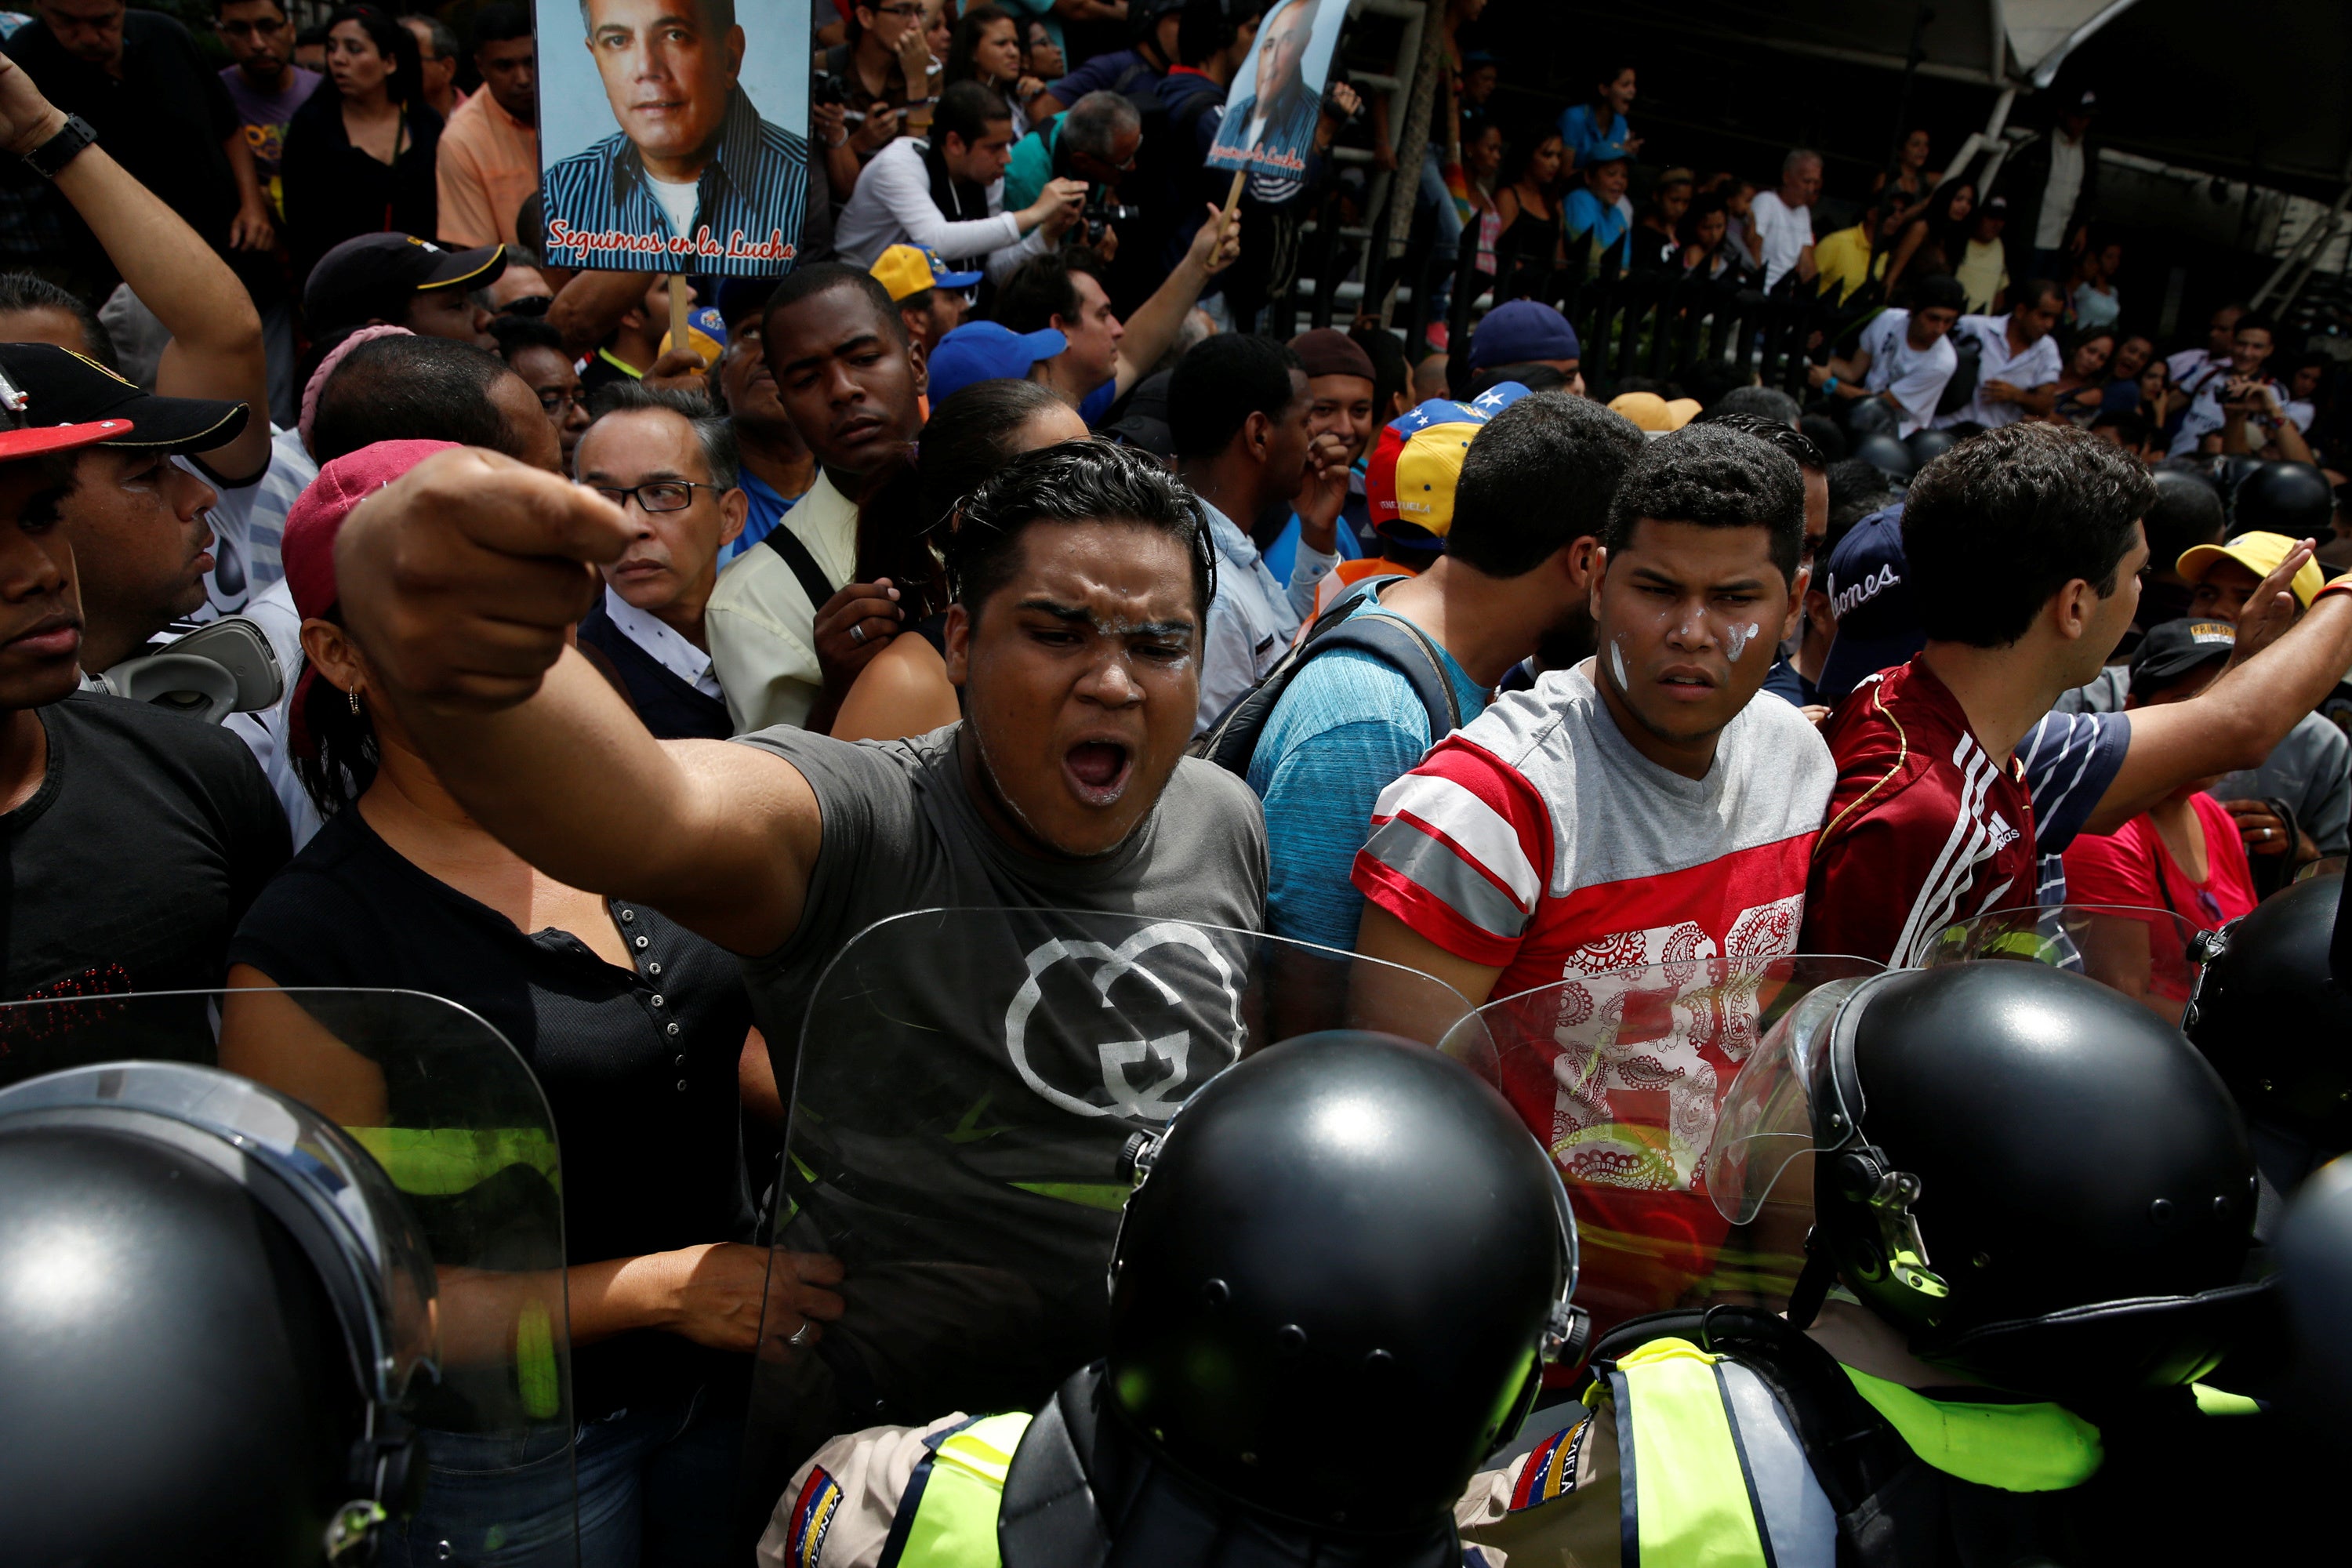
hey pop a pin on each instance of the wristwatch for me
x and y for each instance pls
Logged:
(49, 159)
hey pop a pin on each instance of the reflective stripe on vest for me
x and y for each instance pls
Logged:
(1712, 1473)
(2038, 1447)
(948, 1517)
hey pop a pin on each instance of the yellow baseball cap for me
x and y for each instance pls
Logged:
(2257, 552)
(909, 269)
(1650, 414)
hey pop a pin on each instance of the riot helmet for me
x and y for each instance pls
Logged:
(1344, 1234)
(2032, 1176)
(2315, 1266)
(2273, 1021)
(1888, 456)
(2291, 499)
(1927, 445)
(211, 1304)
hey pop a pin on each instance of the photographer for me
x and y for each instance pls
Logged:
(946, 194)
(1097, 142)
(2242, 391)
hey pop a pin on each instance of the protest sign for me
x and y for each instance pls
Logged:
(670, 133)
(1268, 129)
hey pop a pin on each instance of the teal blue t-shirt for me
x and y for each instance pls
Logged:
(1030, 165)
(1345, 729)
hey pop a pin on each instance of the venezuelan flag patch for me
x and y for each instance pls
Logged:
(1549, 1473)
(813, 1514)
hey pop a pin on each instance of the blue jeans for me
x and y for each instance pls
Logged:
(656, 1484)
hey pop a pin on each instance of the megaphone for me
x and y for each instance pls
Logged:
(222, 668)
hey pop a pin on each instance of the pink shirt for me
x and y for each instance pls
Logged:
(2132, 867)
(488, 167)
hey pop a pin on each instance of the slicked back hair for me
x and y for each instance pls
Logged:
(2000, 522)
(1077, 481)
(1716, 477)
(713, 432)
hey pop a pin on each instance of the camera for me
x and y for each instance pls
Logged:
(827, 88)
(1100, 212)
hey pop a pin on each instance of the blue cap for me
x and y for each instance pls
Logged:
(1520, 331)
(1877, 625)
(988, 351)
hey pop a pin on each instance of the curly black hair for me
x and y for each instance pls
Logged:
(1717, 475)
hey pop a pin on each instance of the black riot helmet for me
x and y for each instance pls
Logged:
(2033, 1176)
(1928, 445)
(1337, 1286)
(209, 1301)
(2273, 1019)
(1888, 456)
(2292, 500)
(2316, 1264)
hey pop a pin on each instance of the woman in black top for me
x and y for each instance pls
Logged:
(1528, 204)
(360, 152)
(636, 1030)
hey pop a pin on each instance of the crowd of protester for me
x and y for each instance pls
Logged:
(2018, 604)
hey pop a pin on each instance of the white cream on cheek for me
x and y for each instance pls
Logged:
(1617, 662)
(1737, 638)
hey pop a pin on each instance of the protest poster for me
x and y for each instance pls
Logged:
(671, 133)
(1276, 96)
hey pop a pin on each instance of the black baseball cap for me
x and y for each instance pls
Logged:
(369, 278)
(1877, 625)
(2173, 648)
(62, 387)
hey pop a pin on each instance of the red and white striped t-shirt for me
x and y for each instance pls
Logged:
(1536, 839)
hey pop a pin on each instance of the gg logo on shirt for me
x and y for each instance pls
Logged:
(1146, 1071)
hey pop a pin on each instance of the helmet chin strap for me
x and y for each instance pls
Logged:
(1814, 1282)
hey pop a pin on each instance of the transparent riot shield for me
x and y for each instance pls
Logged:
(1622, 1073)
(970, 1087)
(433, 1099)
(2146, 954)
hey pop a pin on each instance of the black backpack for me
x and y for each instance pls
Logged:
(1232, 741)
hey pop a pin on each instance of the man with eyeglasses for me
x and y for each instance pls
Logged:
(667, 459)
(534, 351)
(264, 82)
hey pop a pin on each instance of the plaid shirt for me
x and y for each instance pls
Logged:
(748, 204)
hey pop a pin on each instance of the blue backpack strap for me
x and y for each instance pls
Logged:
(1405, 648)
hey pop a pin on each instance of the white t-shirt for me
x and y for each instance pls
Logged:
(677, 202)
(2058, 195)
(1785, 231)
(2205, 414)
(1916, 376)
(2037, 365)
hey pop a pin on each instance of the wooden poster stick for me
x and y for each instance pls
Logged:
(679, 298)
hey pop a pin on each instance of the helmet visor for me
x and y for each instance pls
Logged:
(2143, 953)
(342, 1188)
(1766, 1123)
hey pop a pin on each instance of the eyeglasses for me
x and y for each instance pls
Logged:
(554, 401)
(910, 12)
(661, 495)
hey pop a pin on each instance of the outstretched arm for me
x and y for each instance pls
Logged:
(2235, 722)
(461, 582)
(216, 347)
(1158, 320)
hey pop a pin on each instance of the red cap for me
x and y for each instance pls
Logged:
(317, 516)
(308, 549)
(34, 439)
